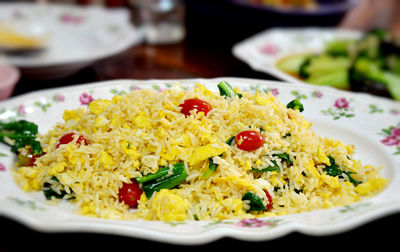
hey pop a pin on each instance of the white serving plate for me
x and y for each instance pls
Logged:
(360, 119)
(263, 50)
(76, 36)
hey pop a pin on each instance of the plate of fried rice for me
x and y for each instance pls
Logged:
(191, 161)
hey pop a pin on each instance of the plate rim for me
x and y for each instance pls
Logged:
(214, 233)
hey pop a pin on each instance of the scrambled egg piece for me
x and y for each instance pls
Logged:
(72, 115)
(56, 169)
(130, 150)
(372, 185)
(333, 182)
(205, 152)
(98, 106)
(73, 156)
(322, 157)
(311, 168)
(233, 205)
(202, 89)
(168, 206)
(26, 176)
(142, 121)
(240, 182)
(106, 160)
(262, 100)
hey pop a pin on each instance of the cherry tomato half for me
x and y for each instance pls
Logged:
(69, 137)
(249, 140)
(195, 103)
(270, 202)
(130, 193)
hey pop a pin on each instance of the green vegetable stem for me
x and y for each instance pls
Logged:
(160, 173)
(20, 134)
(295, 104)
(274, 167)
(168, 181)
(225, 89)
(49, 192)
(333, 170)
(256, 203)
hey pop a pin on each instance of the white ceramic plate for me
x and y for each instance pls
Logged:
(262, 51)
(76, 36)
(366, 121)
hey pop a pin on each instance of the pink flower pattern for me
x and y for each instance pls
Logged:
(21, 109)
(71, 19)
(342, 103)
(2, 167)
(341, 108)
(269, 49)
(60, 98)
(393, 139)
(275, 92)
(85, 98)
(254, 223)
(317, 94)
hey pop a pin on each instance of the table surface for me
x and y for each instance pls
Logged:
(191, 58)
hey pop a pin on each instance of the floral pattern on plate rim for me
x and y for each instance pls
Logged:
(341, 108)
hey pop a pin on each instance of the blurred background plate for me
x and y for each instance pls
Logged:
(299, 7)
(75, 36)
(263, 50)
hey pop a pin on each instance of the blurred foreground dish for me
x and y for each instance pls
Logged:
(9, 38)
(14, 40)
(79, 37)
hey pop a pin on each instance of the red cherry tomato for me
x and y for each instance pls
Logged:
(130, 193)
(270, 202)
(190, 104)
(249, 140)
(69, 137)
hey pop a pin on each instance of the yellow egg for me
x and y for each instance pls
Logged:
(117, 99)
(142, 120)
(205, 152)
(333, 182)
(258, 162)
(202, 89)
(28, 172)
(247, 166)
(88, 208)
(167, 155)
(106, 160)
(129, 150)
(369, 186)
(233, 205)
(263, 99)
(311, 168)
(115, 120)
(168, 206)
(98, 106)
(56, 169)
(322, 157)
(240, 182)
(70, 114)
